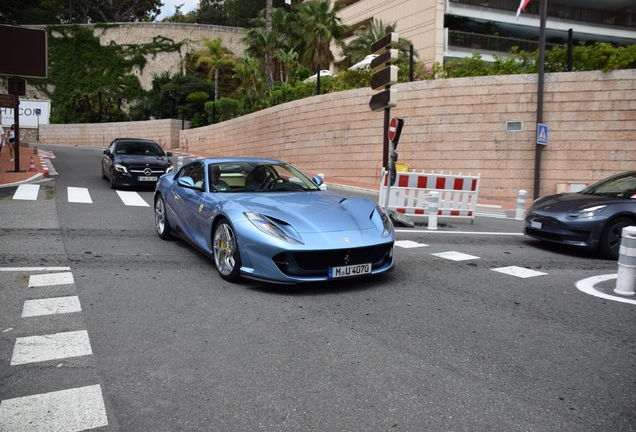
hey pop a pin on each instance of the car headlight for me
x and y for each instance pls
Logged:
(387, 225)
(587, 212)
(121, 168)
(281, 230)
(170, 169)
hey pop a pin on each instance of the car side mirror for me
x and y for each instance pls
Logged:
(186, 182)
(317, 180)
(107, 152)
(169, 154)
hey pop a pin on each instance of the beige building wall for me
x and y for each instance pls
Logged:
(456, 125)
(420, 21)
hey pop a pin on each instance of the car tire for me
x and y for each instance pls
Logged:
(112, 183)
(610, 241)
(226, 252)
(161, 219)
(103, 173)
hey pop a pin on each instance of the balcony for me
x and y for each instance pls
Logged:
(479, 43)
(613, 14)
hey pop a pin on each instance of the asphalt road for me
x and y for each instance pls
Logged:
(452, 340)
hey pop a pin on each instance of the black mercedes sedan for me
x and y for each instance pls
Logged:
(592, 218)
(134, 162)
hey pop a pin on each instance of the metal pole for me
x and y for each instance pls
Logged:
(538, 147)
(318, 80)
(411, 66)
(570, 48)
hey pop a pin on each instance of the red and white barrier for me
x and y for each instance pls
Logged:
(411, 192)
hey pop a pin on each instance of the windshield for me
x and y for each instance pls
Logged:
(255, 177)
(143, 148)
(623, 186)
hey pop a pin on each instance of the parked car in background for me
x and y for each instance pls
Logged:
(592, 218)
(134, 162)
(264, 219)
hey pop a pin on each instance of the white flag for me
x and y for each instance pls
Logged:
(522, 7)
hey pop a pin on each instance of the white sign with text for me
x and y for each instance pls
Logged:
(28, 113)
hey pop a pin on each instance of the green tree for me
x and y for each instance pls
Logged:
(212, 12)
(318, 25)
(212, 59)
(60, 11)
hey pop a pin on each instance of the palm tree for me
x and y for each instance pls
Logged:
(318, 26)
(268, 31)
(287, 60)
(214, 56)
(248, 72)
(365, 36)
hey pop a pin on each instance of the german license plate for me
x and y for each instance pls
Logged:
(350, 270)
(145, 178)
(536, 225)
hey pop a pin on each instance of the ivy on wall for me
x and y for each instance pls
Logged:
(90, 83)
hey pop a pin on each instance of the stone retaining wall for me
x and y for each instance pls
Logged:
(454, 125)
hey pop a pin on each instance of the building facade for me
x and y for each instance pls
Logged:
(446, 29)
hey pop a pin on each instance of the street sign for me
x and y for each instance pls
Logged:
(392, 128)
(7, 101)
(389, 56)
(384, 99)
(542, 134)
(385, 77)
(387, 41)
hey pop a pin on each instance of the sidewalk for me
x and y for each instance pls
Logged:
(8, 176)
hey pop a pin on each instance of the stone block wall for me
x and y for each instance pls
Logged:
(165, 132)
(456, 125)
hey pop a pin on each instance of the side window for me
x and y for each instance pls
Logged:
(195, 171)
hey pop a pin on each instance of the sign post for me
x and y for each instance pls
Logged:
(385, 76)
(34, 65)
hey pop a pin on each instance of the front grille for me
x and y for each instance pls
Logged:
(318, 262)
(140, 170)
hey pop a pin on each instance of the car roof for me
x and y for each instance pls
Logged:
(241, 160)
(135, 140)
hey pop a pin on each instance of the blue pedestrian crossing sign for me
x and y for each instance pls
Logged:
(542, 134)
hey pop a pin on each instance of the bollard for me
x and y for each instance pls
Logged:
(323, 186)
(179, 161)
(521, 204)
(35, 150)
(626, 263)
(433, 206)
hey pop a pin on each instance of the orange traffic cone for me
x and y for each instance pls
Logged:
(32, 166)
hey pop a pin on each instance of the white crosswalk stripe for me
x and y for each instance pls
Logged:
(132, 199)
(51, 347)
(51, 306)
(72, 409)
(27, 192)
(79, 195)
(66, 410)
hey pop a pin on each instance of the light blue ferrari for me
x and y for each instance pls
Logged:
(263, 219)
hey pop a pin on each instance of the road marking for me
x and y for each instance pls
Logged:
(132, 199)
(51, 279)
(459, 232)
(65, 410)
(30, 269)
(51, 306)
(518, 271)
(407, 244)
(51, 347)
(587, 286)
(27, 192)
(455, 256)
(79, 195)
